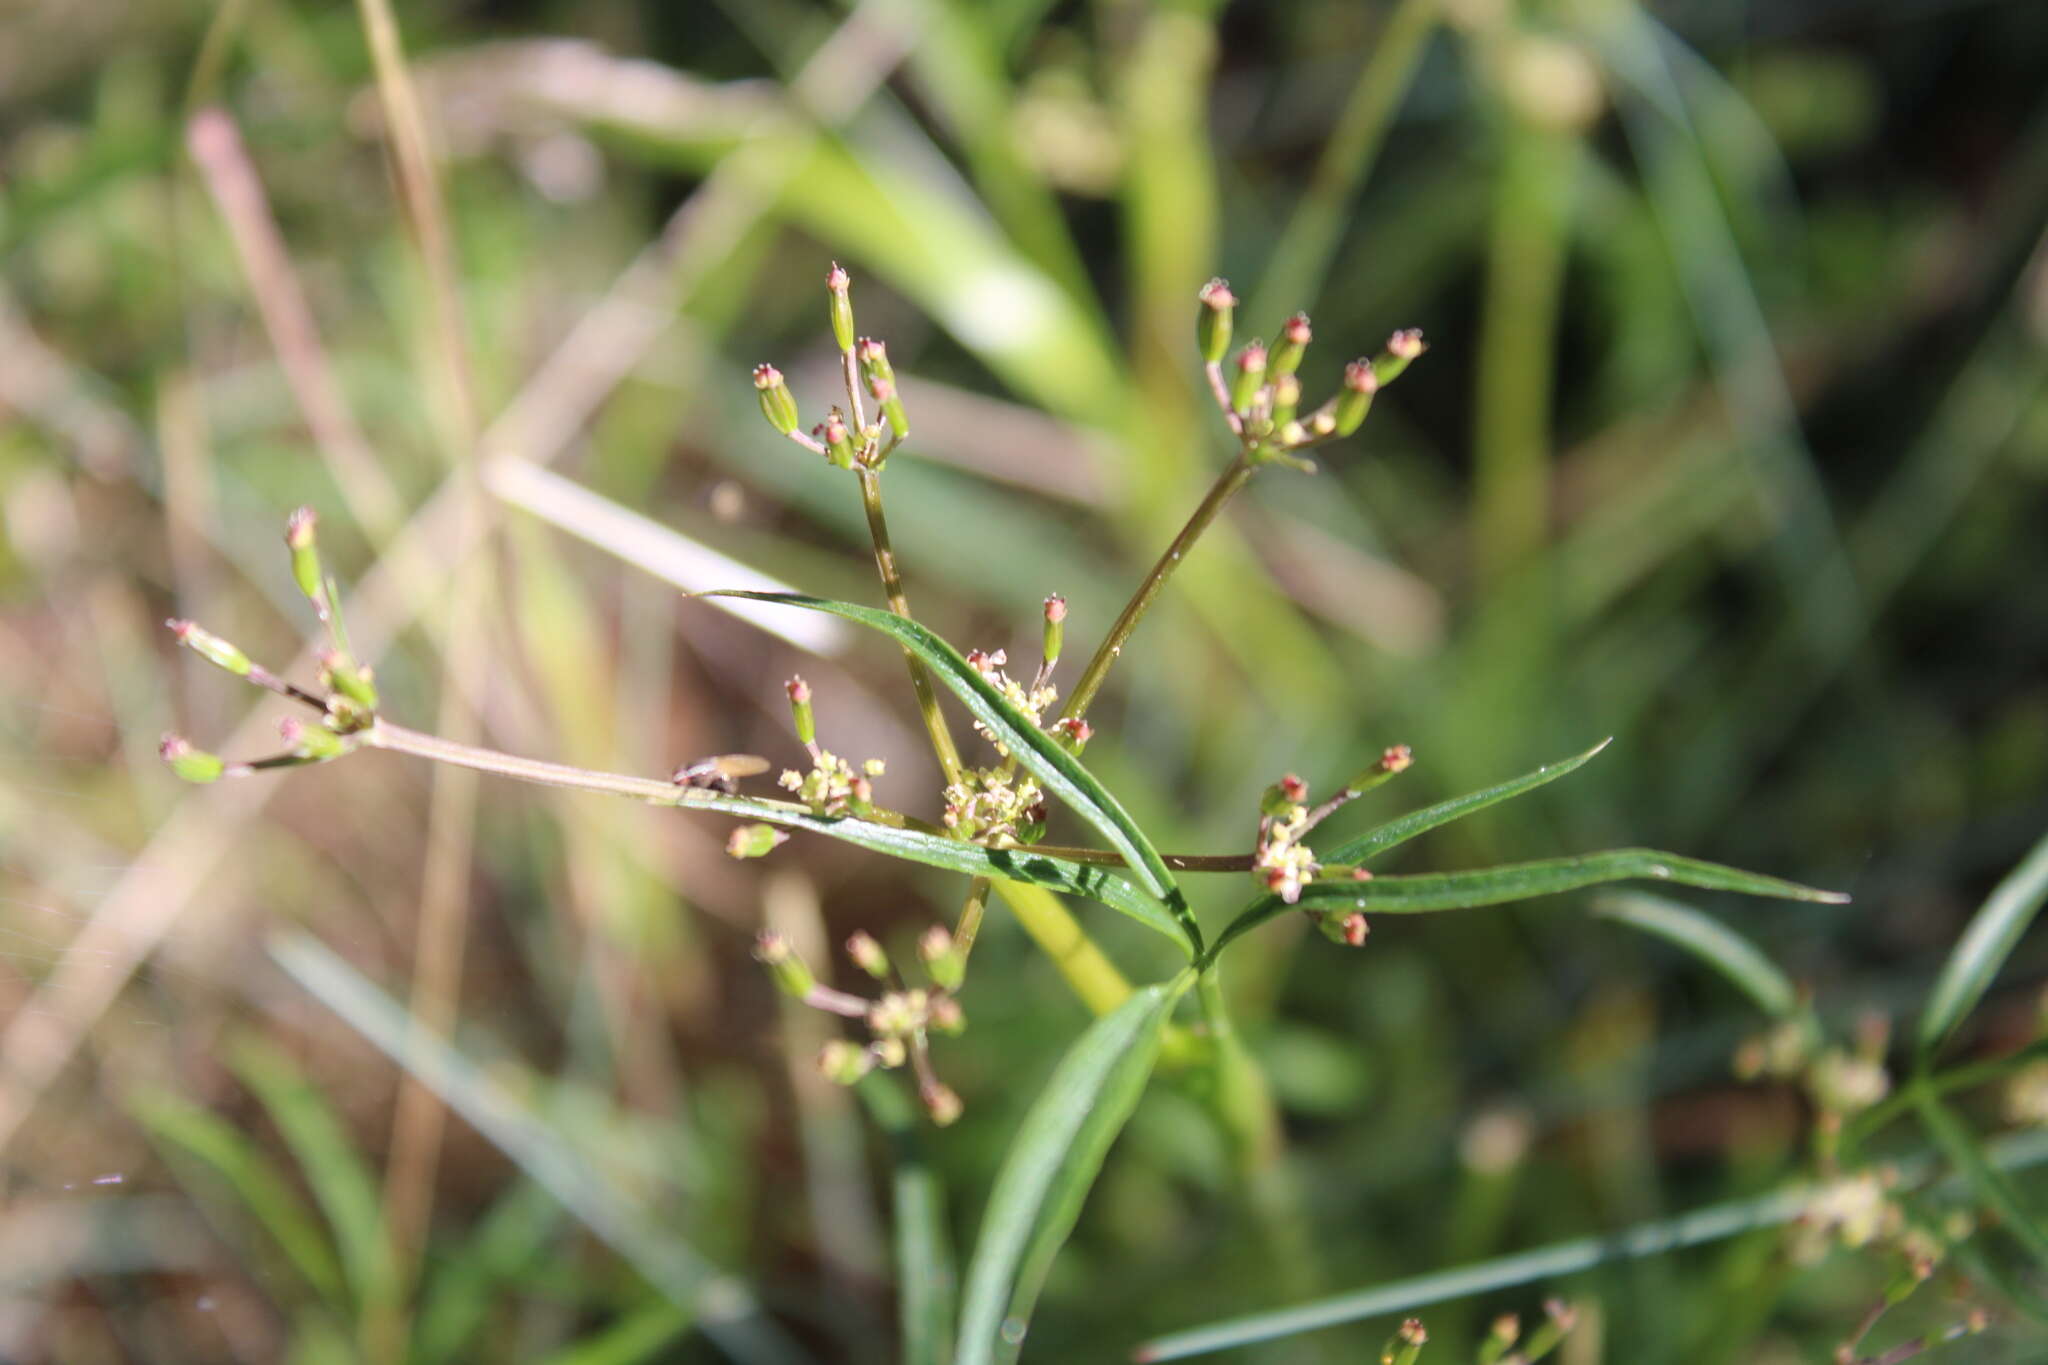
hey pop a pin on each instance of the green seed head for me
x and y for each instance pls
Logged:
(193, 765)
(778, 404)
(1212, 323)
(839, 284)
(210, 647)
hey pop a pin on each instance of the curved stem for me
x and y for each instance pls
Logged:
(892, 588)
(1227, 483)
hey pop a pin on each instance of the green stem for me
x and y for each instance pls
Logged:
(1227, 483)
(892, 589)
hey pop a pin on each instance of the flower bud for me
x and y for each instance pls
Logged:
(778, 404)
(868, 955)
(298, 538)
(310, 741)
(800, 710)
(1361, 382)
(860, 797)
(838, 442)
(772, 950)
(1505, 1329)
(1212, 323)
(1559, 1318)
(881, 381)
(838, 282)
(947, 1016)
(754, 841)
(943, 960)
(1073, 734)
(339, 673)
(1286, 398)
(1283, 796)
(188, 763)
(940, 1102)
(210, 647)
(843, 1063)
(1294, 339)
(889, 1053)
(1055, 628)
(1251, 376)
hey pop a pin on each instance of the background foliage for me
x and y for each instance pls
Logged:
(1730, 445)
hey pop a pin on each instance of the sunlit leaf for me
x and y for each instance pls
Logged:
(1709, 940)
(1994, 932)
(1052, 1162)
(1059, 771)
(1401, 829)
(1409, 895)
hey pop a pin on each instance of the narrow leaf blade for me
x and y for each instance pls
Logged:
(1423, 892)
(1045, 760)
(1994, 932)
(1401, 829)
(1094, 881)
(1058, 1150)
(1709, 940)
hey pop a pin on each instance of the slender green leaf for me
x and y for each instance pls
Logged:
(468, 1283)
(1711, 1224)
(1994, 932)
(1966, 1153)
(1050, 1166)
(335, 1170)
(724, 1307)
(1409, 895)
(1400, 830)
(1706, 938)
(926, 1278)
(1040, 755)
(1095, 881)
(257, 1182)
(638, 1336)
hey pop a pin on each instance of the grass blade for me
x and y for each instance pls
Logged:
(1994, 932)
(1050, 1166)
(1422, 892)
(334, 1169)
(1711, 1224)
(257, 1182)
(488, 1104)
(1044, 759)
(1400, 830)
(1706, 938)
(1975, 1166)
(636, 1337)
(927, 1282)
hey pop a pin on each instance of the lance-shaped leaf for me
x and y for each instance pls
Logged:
(1401, 829)
(1708, 939)
(1095, 881)
(1408, 895)
(1994, 932)
(1058, 1150)
(1059, 771)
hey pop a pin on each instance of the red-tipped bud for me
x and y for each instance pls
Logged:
(889, 1053)
(310, 741)
(188, 763)
(772, 950)
(1251, 377)
(1294, 789)
(778, 404)
(1293, 344)
(1213, 322)
(839, 284)
(1406, 344)
(800, 711)
(838, 441)
(943, 959)
(1356, 929)
(1055, 629)
(1073, 734)
(843, 1063)
(940, 1102)
(210, 647)
(754, 841)
(947, 1016)
(868, 955)
(1361, 382)
(299, 539)
(345, 676)
(881, 380)
(1397, 759)
(1559, 1318)
(860, 797)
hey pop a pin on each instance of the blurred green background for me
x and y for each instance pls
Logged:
(1731, 444)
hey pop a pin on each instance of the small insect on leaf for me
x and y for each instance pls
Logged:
(720, 772)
